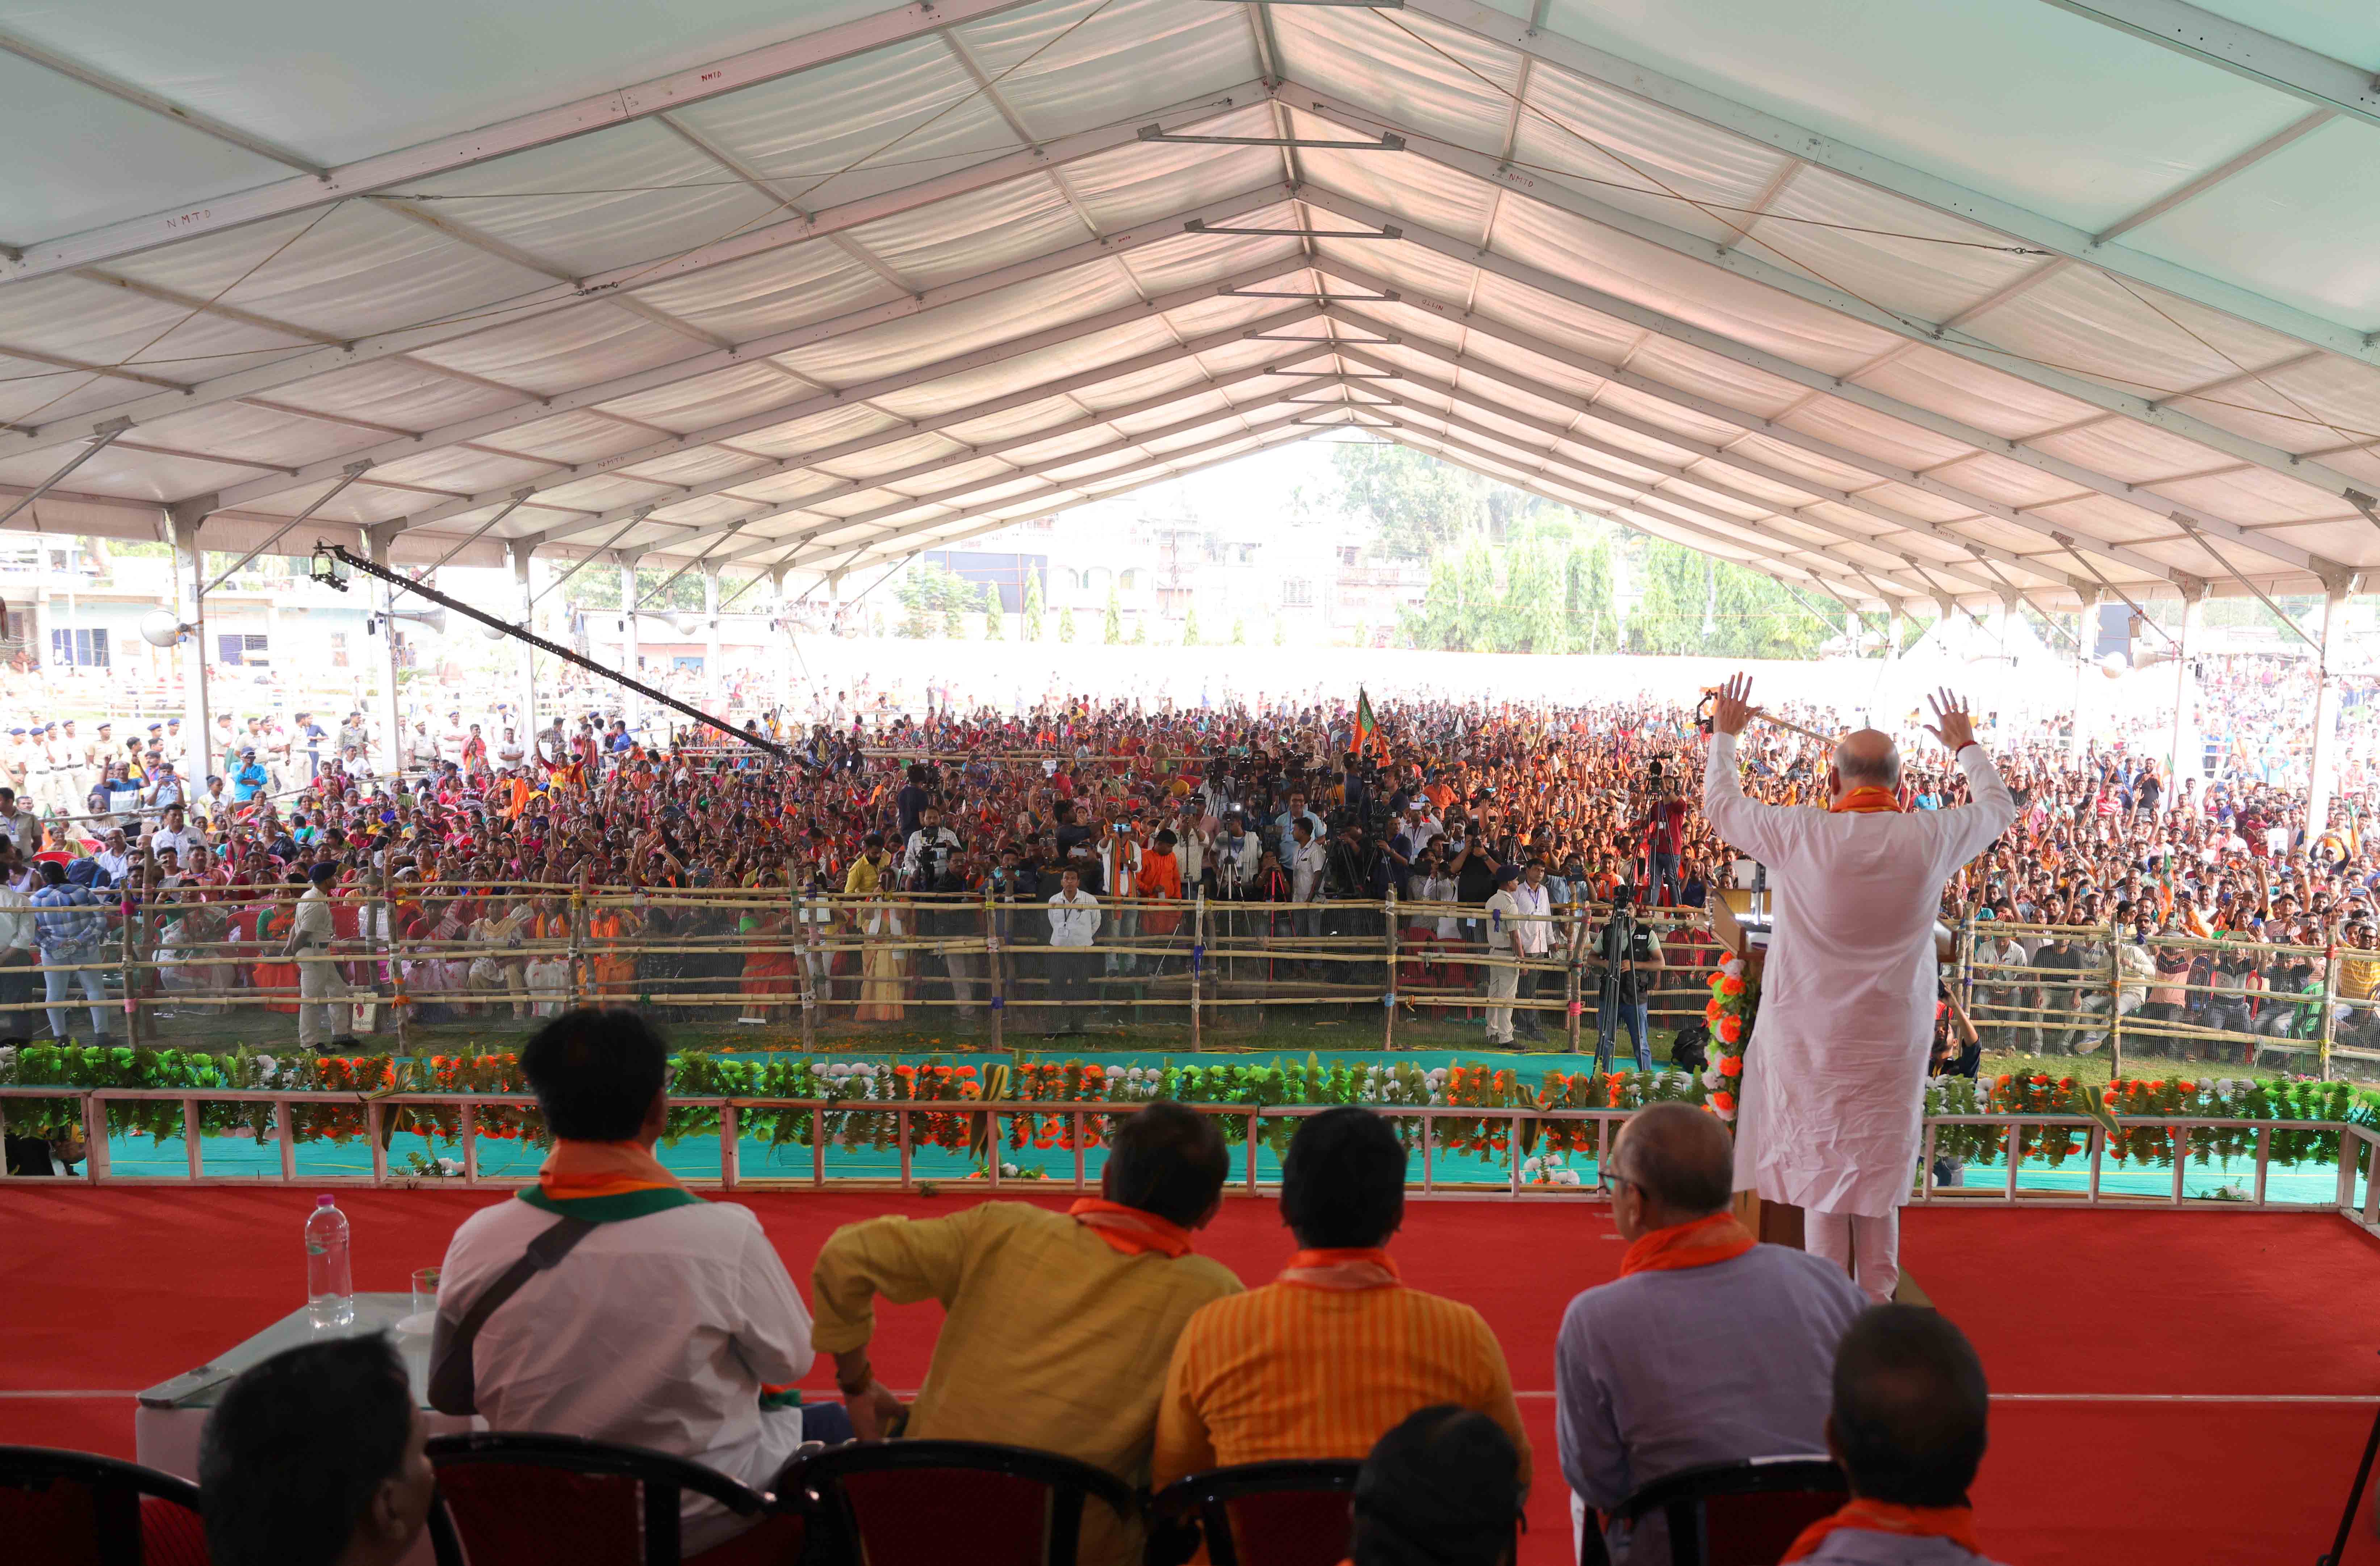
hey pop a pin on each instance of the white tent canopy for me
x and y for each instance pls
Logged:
(1948, 304)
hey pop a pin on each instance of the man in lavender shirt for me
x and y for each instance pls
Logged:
(1908, 1427)
(1707, 1348)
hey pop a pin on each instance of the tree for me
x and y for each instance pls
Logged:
(1693, 603)
(991, 631)
(1190, 626)
(1423, 505)
(1111, 631)
(1066, 625)
(1032, 604)
(1239, 632)
(932, 598)
(1140, 631)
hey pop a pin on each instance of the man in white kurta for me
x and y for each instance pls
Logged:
(1834, 1089)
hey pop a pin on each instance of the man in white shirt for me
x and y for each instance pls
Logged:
(1073, 924)
(509, 753)
(670, 1324)
(1504, 980)
(930, 848)
(1831, 1102)
(1532, 939)
(174, 834)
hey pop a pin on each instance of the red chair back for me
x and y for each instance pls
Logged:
(524, 1500)
(1292, 1513)
(78, 1509)
(518, 1512)
(1742, 1513)
(1756, 1530)
(926, 1503)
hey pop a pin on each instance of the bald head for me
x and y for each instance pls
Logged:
(1866, 758)
(1681, 1157)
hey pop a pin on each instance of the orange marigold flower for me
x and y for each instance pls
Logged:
(2003, 1080)
(1724, 1103)
(1729, 1029)
(1730, 985)
(1712, 1010)
(1730, 1065)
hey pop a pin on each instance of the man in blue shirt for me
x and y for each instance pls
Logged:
(70, 928)
(249, 780)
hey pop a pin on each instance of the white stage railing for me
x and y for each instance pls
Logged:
(1078, 1113)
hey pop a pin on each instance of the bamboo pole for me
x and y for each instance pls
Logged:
(2329, 1013)
(397, 1008)
(993, 989)
(1388, 996)
(2116, 1008)
(129, 906)
(1198, 967)
(807, 909)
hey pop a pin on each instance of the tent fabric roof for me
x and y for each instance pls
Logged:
(1953, 302)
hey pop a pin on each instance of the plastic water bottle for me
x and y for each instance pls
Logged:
(330, 1287)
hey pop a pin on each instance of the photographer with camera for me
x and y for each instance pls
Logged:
(1631, 954)
(1662, 829)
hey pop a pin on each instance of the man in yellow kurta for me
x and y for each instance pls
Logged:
(1058, 1326)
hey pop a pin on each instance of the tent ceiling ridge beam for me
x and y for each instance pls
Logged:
(808, 505)
(1189, 349)
(616, 106)
(2239, 49)
(1707, 341)
(1576, 475)
(1719, 456)
(304, 365)
(1590, 64)
(1661, 470)
(819, 402)
(1087, 253)
(1092, 486)
(1157, 358)
(1129, 443)
(1753, 423)
(1732, 258)
(768, 187)
(164, 108)
(1521, 476)
(1083, 496)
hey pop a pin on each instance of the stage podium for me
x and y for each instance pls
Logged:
(1740, 918)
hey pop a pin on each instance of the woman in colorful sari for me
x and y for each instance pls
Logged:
(772, 968)
(273, 975)
(883, 969)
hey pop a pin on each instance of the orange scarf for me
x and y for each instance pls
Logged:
(1128, 1230)
(1341, 1269)
(1870, 800)
(1703, 1243)
(1956, 1524)
(579, 1169)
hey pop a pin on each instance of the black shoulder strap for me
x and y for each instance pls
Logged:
(452, 1382)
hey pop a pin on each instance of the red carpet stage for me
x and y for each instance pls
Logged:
(2182, 1388)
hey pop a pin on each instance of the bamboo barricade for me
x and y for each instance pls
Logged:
(1220, 968)
(1219, 961)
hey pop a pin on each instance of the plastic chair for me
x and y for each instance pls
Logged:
(521, 1500)
(1741, 1513)
(1290, 1513)
(928, 1503)
(78, 1509)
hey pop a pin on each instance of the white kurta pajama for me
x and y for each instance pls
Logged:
(1834, 1089)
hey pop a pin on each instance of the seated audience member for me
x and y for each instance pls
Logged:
(1442, 1489)
(1057, 1326)
(1706, 1348)
(313, 1458)
(1330, 1355)
(1908, 1427)
(670, 1324)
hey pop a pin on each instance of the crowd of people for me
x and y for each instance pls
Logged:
(1100, 1333)
(865, 859)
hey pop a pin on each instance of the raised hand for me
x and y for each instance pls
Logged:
(1732, 708)
(1953, 725)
